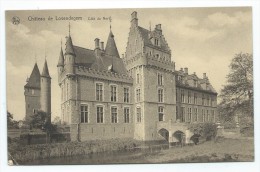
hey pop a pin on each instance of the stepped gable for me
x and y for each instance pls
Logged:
(146, 35)
(45, 71)
(111, 48)
(34, 80)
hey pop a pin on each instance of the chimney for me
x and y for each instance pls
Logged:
(186, 70)
(158, 27)
(204, 76)
(134, 20)
(181, 69)
(194, 73)
(102, 46)
(96, 43)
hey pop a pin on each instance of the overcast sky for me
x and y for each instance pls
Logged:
(202, 39)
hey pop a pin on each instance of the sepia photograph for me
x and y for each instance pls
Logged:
(129, 86)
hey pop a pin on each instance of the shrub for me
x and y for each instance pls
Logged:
(205, 130)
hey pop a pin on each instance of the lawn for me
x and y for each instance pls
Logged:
(211, 151)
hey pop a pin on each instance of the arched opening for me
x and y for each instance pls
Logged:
(178, 137)
(195, 138)
(164, 133)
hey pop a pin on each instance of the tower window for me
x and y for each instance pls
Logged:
(126, 95)
(182, 96)
(160, 113)
(160, 95)
(160, 79)
(138, 95)
(138, 115)
(84, 114)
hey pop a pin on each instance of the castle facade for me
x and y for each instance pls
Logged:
(139, 96)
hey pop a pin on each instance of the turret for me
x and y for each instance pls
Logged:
(111, 48)
(60, 65)
(46, 90)
(69, 56)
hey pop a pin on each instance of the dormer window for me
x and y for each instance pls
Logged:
(156, 42)
(195, 83)
(179, 78)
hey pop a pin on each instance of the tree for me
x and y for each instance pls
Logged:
(11, 123)
(237, 95)
(57, 120)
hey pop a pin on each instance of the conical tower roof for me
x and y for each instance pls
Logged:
(61, 58)
(111, 48)
(34, 80)
(45, 71)
(69, 46)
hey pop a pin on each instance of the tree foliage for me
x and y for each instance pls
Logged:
(237, 95)
(11, 123)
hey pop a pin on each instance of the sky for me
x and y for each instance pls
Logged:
(202, 39)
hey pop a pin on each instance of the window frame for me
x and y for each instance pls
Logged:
(114, 115)
(86, 112)
(102, 91)
(103, 114)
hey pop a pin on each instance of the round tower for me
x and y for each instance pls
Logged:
(46, 90)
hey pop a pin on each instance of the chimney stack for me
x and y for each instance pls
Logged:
(194, 73)
(181, 69)
(102, 46)
(158, 27)
(96, 43)
(186, 70)
(134, 20)
(204, 76)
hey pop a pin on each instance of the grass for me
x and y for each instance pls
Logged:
(219, 151)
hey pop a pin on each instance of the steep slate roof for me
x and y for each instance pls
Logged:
(111, 48)
(69, 46)
(34, 80)
(45, 71)
(147, 41)
(61, 58)
(84, 56)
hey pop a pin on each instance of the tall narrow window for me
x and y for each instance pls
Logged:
(156, 42)
(126, 115)
(189, 115)
(195, 114)
(138, 115)
(100, 114)
(126, 95)
(138, 95)
(195, 98)
(182, 96)
(160, 79)
(177, 113)
(67, 95)
(99, 92)
(182, 117)
(203, 115)
(213, 116)
(114, 114)
(203, 99)
(113, 93)
(161, 114)
(189, 97)
(160, 95)
(208, 116)
(138, 78)
(208, 100)
(84, 113)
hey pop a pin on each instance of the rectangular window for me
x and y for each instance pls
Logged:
(161, 114)
(84, 113)
(138, 115)
(138, 95)
(189, 115)
(126, 115)
(100, 114)
(189, 97)
(99, 92)
(208, 116)
(203, 115)
(195, 98)
(213, 116)
(126, 95)
(182, 96)
(203, 100)
(182, 117)
(160, 79)
(114, 114)
(138, 78)
(113, 93)
(195, 114)
(208, 100)
(160, 95)
(177, 113)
